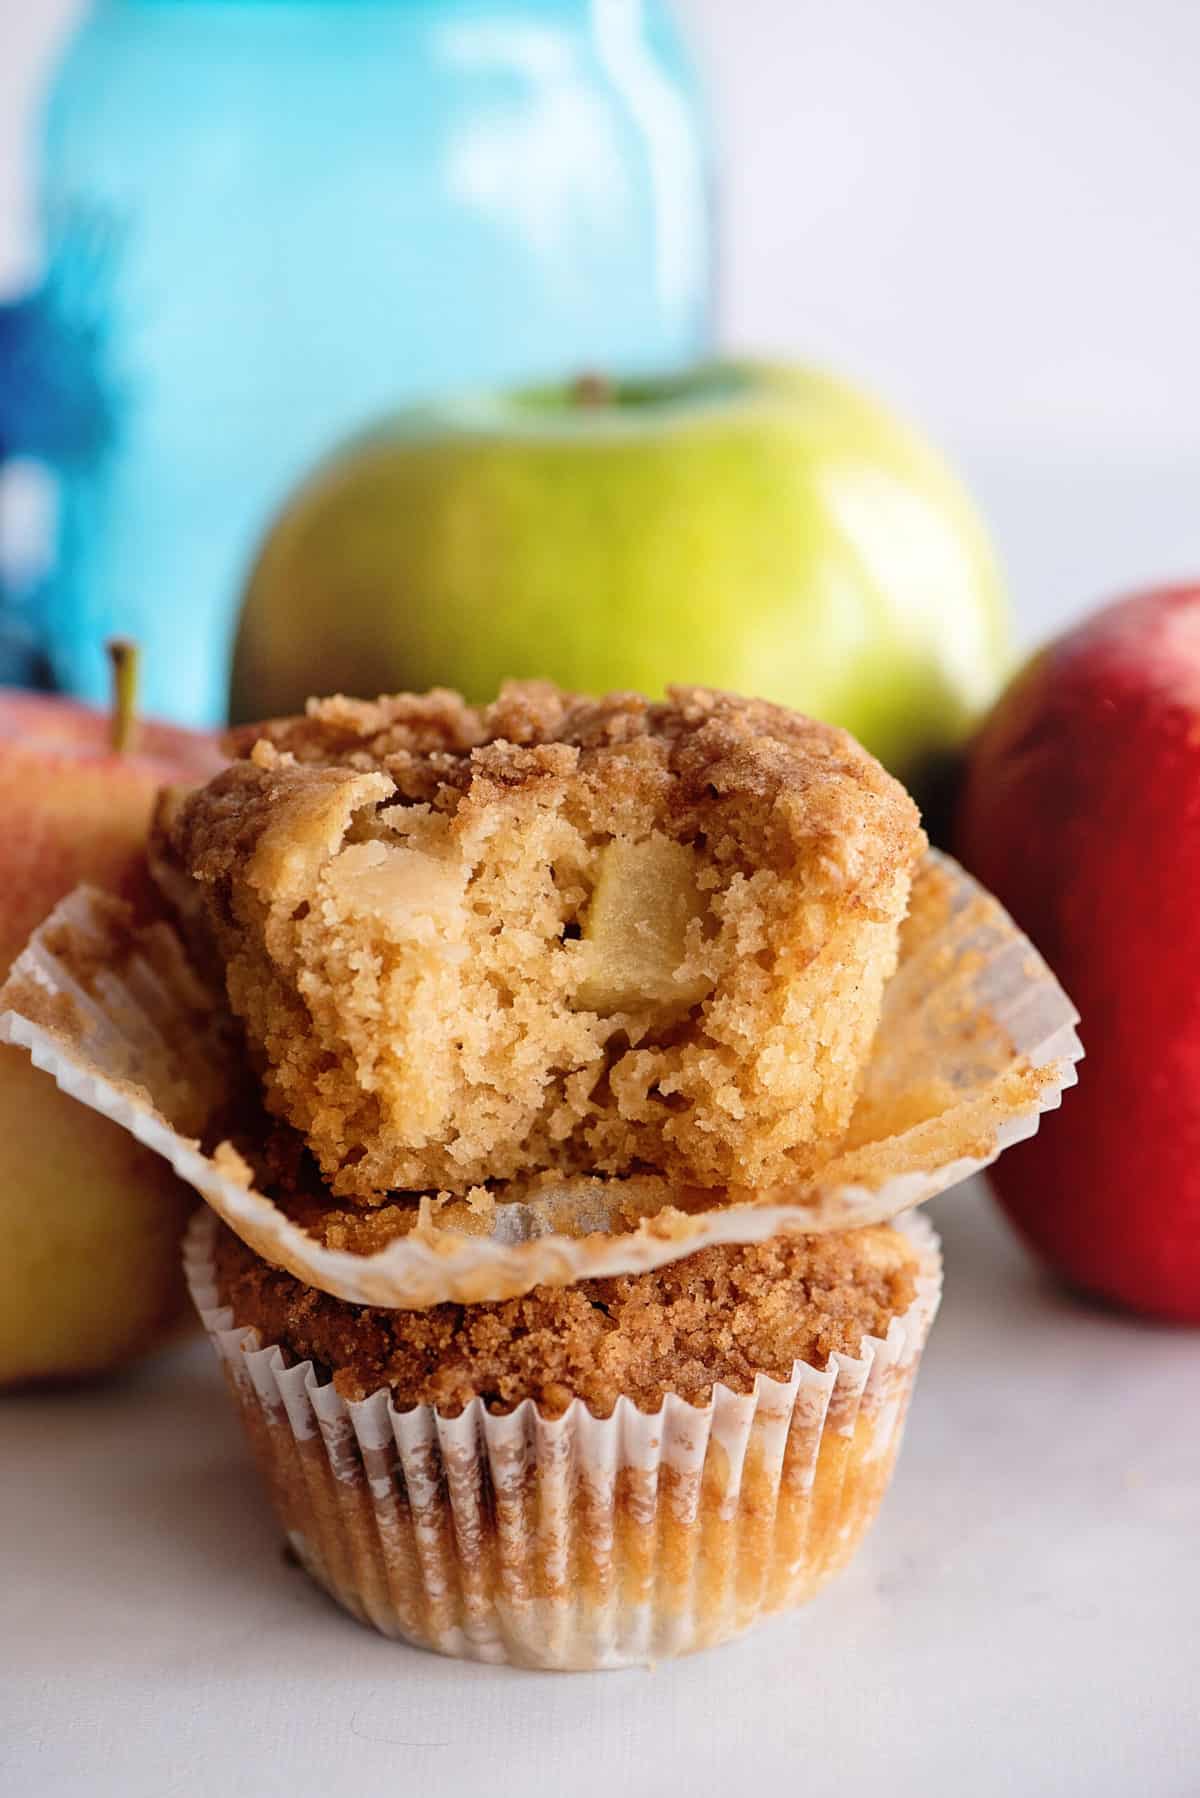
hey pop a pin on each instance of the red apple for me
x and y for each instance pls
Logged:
(1081, 811)
(89, 1219)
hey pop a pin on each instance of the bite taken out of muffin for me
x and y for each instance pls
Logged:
(593, 936)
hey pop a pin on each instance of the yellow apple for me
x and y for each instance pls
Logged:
(90, 1220)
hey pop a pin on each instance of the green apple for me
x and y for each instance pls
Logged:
(760, 528)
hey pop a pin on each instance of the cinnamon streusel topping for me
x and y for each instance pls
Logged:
(723, 1314)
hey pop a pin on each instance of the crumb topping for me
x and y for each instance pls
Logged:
(724, 1314)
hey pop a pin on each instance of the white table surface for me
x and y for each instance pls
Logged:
(1025, 1618)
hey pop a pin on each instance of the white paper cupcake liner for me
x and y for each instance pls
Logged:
(576, 1542)
(976, 1041)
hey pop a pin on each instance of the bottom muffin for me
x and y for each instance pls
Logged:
(592, 1476)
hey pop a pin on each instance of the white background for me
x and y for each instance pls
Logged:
(986, 208)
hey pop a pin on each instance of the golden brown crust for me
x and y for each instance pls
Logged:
(398, 891)
(725, 1314)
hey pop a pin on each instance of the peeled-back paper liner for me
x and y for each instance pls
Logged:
(578, 1541)
(976, 1040)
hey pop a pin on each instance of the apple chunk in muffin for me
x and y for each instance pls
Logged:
(589, 935)
(642, 930)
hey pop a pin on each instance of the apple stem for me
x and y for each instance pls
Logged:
(592, 389)
(124, 655)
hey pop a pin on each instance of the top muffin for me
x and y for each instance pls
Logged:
(589, 935)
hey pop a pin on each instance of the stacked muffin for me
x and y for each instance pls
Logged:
(584, 944)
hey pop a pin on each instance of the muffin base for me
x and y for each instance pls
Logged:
(575, 1542)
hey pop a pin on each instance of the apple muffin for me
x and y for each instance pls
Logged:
(589, 935)
(623, 1470)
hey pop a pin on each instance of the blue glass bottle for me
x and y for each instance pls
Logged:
(265, 220)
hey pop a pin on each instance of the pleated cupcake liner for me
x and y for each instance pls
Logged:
(574, 1542)
(973, 1024)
